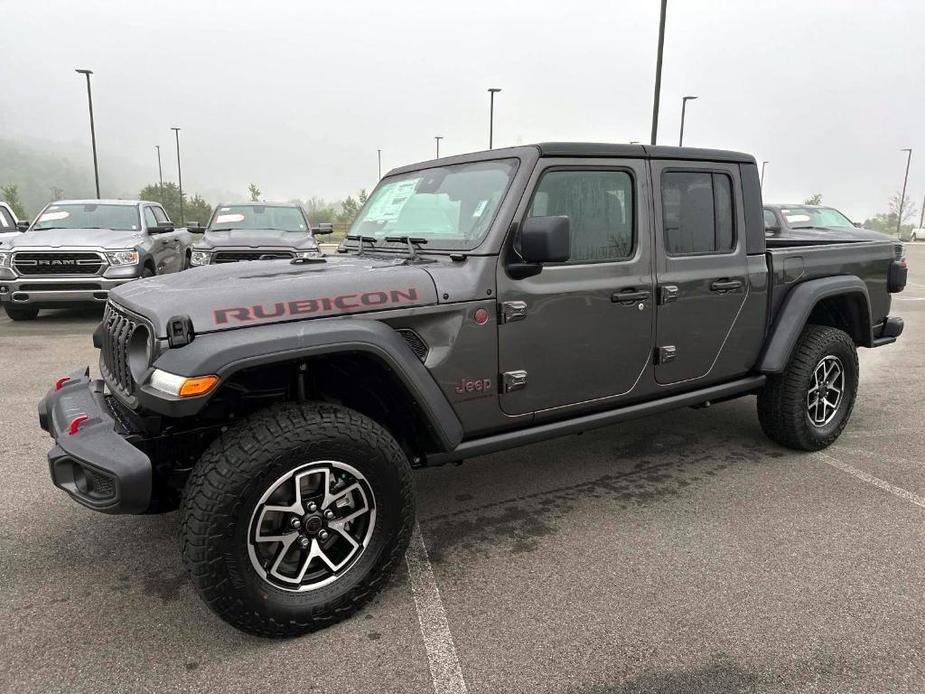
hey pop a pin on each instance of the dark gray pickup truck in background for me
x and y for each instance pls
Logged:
(256, 231)
(77, 251)
(480, 302)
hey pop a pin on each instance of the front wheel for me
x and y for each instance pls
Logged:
(808, 405)
(21, 313)
(295, 517)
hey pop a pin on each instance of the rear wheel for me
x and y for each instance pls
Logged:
(21, 313)
(295, 517)
(808, 405)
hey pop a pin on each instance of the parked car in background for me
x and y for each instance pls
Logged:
(76, 251)
(788, 225)
(9, 225)
(256, 231)
(918, 234)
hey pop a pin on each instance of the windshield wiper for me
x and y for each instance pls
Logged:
(412, 241)
(360, 241)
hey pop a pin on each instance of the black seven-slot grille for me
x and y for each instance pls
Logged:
(235, 256)
(57, 263)
(118, 328)
(417, 345)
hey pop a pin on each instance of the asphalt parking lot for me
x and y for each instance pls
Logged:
(681, 553)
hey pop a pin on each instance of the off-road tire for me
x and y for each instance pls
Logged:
(21, 313)
(782, 404)
(224, 488)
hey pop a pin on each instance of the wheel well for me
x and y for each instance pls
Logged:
(149, 264)
(846, 312)
(359, 381)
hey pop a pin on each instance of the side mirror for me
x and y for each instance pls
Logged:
(859, 225)
(195, 228)
(22, 225)
(323, 228)
(546, 240)
(161, 228)
(772, 229)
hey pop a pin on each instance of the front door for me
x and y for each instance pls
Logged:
(581, 331)
(702, 268)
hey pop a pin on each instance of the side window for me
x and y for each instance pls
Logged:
(697, 212)
(150, 221)
(6, 221)
(769, 219)
(599, 205)
(160, 215)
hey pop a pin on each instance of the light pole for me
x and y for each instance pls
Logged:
(176, 132)
(684, 101)
(761, 183)
(437, 139)
(379, 155)
(902, 197)
(96, 168)
(491, 117)
(658, 71)
(922, 216)
(160, 172)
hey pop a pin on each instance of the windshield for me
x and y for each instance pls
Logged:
(258, 218)
(799, 217)
(450, 206)
(89, 216)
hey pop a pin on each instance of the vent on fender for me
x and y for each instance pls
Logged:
(417, 345)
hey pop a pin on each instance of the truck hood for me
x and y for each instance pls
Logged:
(254, 238)
(62, 238)
(236, 295)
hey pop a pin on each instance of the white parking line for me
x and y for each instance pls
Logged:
(875, 481)
(438, 641)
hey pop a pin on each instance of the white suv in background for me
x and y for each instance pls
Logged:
(918, 235)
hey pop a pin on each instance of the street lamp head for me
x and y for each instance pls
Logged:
(689, 98)
(175, 128)
(493, 90)
(84, 72)
(906, 149)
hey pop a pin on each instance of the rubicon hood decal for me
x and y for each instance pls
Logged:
(237, 295)
(342, 303)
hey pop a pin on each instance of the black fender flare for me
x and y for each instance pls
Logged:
(227, 352)
(795, 311)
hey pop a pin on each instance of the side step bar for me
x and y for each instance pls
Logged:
(512, 439)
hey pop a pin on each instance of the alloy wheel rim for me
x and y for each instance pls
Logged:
(826, 390)
(311, 525)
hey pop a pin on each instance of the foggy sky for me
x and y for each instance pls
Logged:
(297, 96)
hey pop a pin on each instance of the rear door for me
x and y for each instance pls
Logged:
(581, 331)
(702, 268)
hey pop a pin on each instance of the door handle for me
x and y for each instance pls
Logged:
(726, 285)
(629, 296)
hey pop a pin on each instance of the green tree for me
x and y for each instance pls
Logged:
(195, 209)
(10, 195)
(885, 222)
(814, 199)
(350, 207)
(254, 192)
(320, 211)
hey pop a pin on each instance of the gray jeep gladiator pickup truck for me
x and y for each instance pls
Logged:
(77, 251)
(256, 231)
(480, 302)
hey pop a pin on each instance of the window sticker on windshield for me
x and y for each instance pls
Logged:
(54, 216)
(480, 208)
(797, 217)
(391, 200)
(228, 218)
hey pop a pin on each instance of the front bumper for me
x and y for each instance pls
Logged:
(42, 292)
(96, 465)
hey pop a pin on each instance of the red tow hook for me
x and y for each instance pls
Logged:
(74, 426)
(61, 381)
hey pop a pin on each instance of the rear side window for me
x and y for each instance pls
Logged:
(599, 205)
(160, 215)
(150, 221)
(697, 212)
(6, 221)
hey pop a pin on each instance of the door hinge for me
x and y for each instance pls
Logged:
(514, 380)
(667, 293)
(513, 311)
(665, 354)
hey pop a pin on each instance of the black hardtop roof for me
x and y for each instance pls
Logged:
(586, 150)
